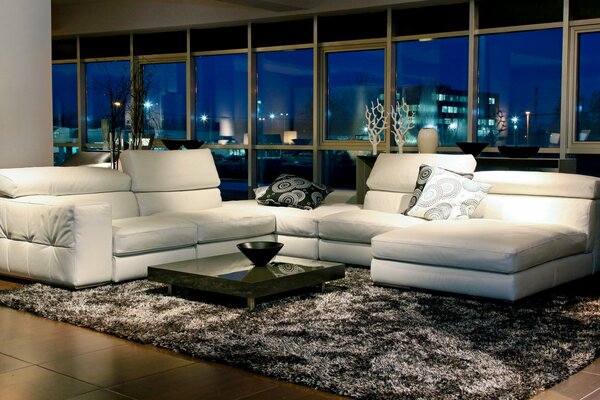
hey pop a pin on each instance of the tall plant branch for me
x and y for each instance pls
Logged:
(402, 121)
(376, 123)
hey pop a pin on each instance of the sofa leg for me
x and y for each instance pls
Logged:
(251, 303)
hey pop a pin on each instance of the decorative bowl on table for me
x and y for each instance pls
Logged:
(260, 253)
(473, 148)
(518, 151)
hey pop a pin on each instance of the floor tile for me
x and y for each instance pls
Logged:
(102, 394)
(115, 365)
(38, 383)
(551, 395)
(578, 386)
(202, 381)
(9, 363)
(593, 368)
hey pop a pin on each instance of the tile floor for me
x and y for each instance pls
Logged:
(44, 359)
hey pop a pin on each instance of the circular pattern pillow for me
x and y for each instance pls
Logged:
(293, 191)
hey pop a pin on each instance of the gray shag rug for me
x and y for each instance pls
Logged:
(354, 339)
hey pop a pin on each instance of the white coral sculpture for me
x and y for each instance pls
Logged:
(402, 120)
(376, 123)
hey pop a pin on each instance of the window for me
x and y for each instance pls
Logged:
(272, 163)
(284, 109)
(64, 103)
(165, 105)
(107, 96)
(521, 71)
(339, 169)
(354, 80)
(222, 98)
(62, 153)
(432, 77)
(232, 166)
(588, 88)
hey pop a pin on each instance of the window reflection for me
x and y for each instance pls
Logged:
(165, 104)
(107, 90)
(588, 99)
(61, 153)
(64, 103)
(519, 87)
(284, 109)
(432, 77)
(339, 169)
(232, 166)
(222, 98)
(272, 163)
(354, 79)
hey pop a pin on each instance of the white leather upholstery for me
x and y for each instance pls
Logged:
(188, 200)
(390, 202)
(345, 252)
(136, 266)
(222, 224)
(227, 246)
(123, 204)
(398, 172)
(64, 245)
(541, 183)
(169, 171)
(360, 226)
(482, 245)
(509, 287)
(154, 233)
(58, 181)
(294, 221)
(296, 246)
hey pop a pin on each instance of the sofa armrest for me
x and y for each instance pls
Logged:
(64, 244)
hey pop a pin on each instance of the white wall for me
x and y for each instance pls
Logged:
(25, 83)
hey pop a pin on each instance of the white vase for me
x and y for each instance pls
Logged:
(427, 140)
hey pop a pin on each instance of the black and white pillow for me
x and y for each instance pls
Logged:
(292, 191)
(425, 172)
(447, 195)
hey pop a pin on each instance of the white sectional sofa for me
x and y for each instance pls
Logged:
(82, 226)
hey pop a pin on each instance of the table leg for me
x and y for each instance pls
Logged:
(251, 303)
(169, 289)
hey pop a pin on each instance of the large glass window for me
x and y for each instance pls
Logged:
(165, 104)
(519, 87)
(339, 169)
(432, 77)
(354, 79)
(64, 103)
(284, 112)
(232, 166)
(222, 98)
(588, 88)
(272, 163)
(107, 97)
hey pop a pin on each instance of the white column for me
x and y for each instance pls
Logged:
(25, 83)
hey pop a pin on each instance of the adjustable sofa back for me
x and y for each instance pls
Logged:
(165, 181)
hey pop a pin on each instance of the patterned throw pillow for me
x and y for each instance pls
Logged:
(292, 191)
(425, 172)
(447, 195)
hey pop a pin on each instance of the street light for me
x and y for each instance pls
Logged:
(527, 113)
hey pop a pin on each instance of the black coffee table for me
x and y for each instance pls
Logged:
(234, 275)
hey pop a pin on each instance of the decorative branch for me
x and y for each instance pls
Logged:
(376, 123)
(402, 121)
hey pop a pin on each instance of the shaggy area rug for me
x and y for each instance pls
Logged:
(354, 339)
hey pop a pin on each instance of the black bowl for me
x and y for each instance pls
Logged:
(473, 148)
(260, 253)
(518, 151)
(176, 144)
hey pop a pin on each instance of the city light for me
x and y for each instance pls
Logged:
(147, 104)
(272, 116)
(514, 120)
(203, 118)
(453, 126)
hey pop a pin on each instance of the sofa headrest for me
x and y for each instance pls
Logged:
(58, 181)
(398, 172)
(537, 183)
(165, 171)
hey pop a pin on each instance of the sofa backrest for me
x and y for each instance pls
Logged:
(179, 180)
(70, 185)
(542, 197)
(393, 177)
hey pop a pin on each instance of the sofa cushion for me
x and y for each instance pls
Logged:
(185, 200)
(147, 234)
(294, 221)
(484, 245)
(447, 195)
(166, 171)
(227, 223)
(292, 191)
(398, 172)
(59, 181)
(361, 226)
